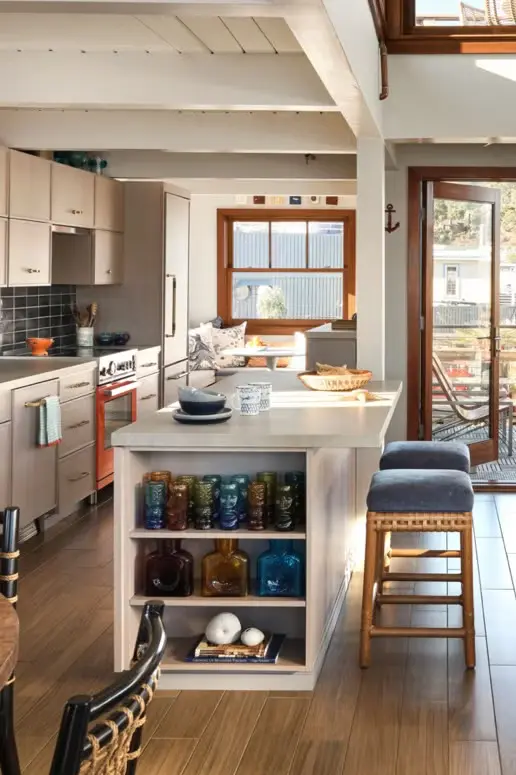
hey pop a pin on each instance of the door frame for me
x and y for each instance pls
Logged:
(416, 177)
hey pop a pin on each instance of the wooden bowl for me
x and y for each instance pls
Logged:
(356, 379)
(39, 346)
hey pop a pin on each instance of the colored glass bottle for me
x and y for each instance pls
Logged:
(190, 480)
(280, 571)
(203, 498)
(177, 506)
(298, 480)
(243, 486)
(155, 497)
(271, 480)
(225, 572)
(284, 507)
(216, 481)
(257, 516)
(229, 500)
(169, 571)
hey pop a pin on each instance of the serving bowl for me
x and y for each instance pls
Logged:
(195, 401)
(39, 346)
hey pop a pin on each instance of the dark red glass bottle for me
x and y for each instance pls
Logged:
(169, 571)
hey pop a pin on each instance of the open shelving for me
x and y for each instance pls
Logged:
(299, 534)
(249, 601)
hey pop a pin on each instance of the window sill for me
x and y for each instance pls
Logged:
(275, 327)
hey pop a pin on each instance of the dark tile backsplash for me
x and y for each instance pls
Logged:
(36, 311)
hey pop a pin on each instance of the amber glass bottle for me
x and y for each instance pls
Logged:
(225, 572)
(169, 571)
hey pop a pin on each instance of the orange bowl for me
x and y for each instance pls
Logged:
(39, 346)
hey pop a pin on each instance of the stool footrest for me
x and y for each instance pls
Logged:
(421, 576)
(423, 553)
(417, 632)
(419, 599)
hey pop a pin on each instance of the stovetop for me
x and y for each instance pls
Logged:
(70, 352)
(114, 363)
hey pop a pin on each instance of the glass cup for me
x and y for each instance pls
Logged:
(247, 399)
(265, 389)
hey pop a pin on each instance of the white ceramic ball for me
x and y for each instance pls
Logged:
(223, 628)
(252, 636)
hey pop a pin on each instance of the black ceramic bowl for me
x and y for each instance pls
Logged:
(202, 407)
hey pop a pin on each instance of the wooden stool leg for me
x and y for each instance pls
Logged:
(380, 559)
(466, 542)
(368, 594)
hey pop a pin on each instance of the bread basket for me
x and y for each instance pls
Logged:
(355, 379)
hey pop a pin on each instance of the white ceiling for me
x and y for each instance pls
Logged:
(116, 32)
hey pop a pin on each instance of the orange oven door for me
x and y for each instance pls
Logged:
(116, 407)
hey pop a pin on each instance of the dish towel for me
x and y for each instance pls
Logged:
(49, 431)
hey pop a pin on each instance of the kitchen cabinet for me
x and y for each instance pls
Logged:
(76, 478)
(3, 251)
(147, 396)
(5, 467)
(78, 425)
(73, 196)
(147, 361)
(94, 258)
(177, 230)
(28, 261)
(4, 180)
(109, 204)
(175, 376)
(29, 186)
(34, 481)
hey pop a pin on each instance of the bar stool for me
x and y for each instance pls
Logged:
(449, 455)
(418, 501)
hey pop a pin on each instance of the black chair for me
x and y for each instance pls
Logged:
(9, 553)
(113, 744)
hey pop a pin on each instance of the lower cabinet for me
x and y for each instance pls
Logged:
(34, 486)
(76, 478)
(5, 465)
(147, 396)
(175, 376)
(77, 424)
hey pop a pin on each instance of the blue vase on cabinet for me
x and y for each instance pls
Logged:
(281, 571)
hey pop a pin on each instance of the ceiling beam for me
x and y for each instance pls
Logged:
(179, 132)
(160, 80)
(158, 165)
(259, 8)
(345, 189)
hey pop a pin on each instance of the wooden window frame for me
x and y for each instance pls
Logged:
(403, 37)
(225, 220)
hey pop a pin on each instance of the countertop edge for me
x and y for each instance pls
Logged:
(55, 373)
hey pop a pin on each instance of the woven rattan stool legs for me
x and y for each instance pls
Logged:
(376, 572)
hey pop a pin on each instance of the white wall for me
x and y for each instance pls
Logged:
(203, 247)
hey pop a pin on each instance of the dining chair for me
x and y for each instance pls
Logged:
(90, 745)
(9, 554)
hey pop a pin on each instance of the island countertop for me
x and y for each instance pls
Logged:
(299, 419)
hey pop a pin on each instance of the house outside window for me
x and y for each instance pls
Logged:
(451, 281)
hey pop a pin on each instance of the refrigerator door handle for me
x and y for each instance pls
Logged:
(174, 293)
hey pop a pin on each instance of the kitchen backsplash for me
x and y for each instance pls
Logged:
(42, 311)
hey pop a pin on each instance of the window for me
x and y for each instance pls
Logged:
(285, 270)
(451, 281)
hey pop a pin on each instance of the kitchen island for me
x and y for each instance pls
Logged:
(336, 442)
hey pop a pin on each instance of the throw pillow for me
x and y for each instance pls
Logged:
(228, 339)
(201, 354)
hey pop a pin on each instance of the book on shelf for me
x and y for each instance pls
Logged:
(266, 652)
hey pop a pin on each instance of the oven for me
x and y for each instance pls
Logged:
(116, 407)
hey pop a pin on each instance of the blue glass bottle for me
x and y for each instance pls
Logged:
(229, 499)
(281, 571)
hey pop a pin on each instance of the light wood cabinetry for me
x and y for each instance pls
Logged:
(5, 466)
(147, 361)
(177, 230)
(29, 253)
(176, 376)
(109, 204)
(78, 384)
(78, 425)
(76, 478)
(3, 251)
(72, 196)
(95, 258)
(34, 482)
(147, 396)
(29, 186)
(108, 256)
(4, 179)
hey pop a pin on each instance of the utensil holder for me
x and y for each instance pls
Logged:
(85, 336)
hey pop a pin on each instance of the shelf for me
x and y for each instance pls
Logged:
(290, 660)
(250, 601)
(251, 535)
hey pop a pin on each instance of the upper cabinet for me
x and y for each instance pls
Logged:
(29, 186)
(29, 253)
(4, 163)
(92, 258)
(109, 204)
(73, 196)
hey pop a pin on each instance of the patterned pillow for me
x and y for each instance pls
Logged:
(200, 347)
(228, 339)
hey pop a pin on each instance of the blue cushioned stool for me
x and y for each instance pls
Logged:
(415, 500)
(452, 455)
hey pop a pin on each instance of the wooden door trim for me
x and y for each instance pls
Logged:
(416, 177)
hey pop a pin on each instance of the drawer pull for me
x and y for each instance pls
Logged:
(178, 376)
(78, 385)
(78, 425)
(78, 478)
(146, 398)
(35, 404)
(77, 212)
(147, 365)
(33, 271)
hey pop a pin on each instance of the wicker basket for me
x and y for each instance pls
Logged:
(356, 379)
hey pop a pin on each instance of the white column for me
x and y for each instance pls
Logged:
(370, 259)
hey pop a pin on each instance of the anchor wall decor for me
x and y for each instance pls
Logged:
(390, 227)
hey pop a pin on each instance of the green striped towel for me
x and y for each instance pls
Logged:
(49, 431)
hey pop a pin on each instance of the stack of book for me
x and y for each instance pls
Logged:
(266, 652)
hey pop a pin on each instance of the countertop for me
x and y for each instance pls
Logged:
(299, 419)
(19, 372)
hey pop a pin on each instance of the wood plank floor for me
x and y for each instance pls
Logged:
(416, 711)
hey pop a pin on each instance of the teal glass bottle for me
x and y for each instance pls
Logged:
(281, 571)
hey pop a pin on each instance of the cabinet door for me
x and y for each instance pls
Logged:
(29, 187)
(147, 396)
(76, 479)
(3, 251)
(108, 256)
(175, 377)
(177, 229)
(72, 196)
(109, 204)
(5, 467)
(34, 478)
(28, 261)
(4, 177)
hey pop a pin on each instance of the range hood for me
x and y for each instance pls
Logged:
(56, 229)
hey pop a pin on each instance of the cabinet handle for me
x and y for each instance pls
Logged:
(78, 478)
(35, 404)
(109, 271)
(78, 385)
(78, 425)
(147, 365)
(178, 376)
(146, 398)
(34, 271)
(77, 212)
